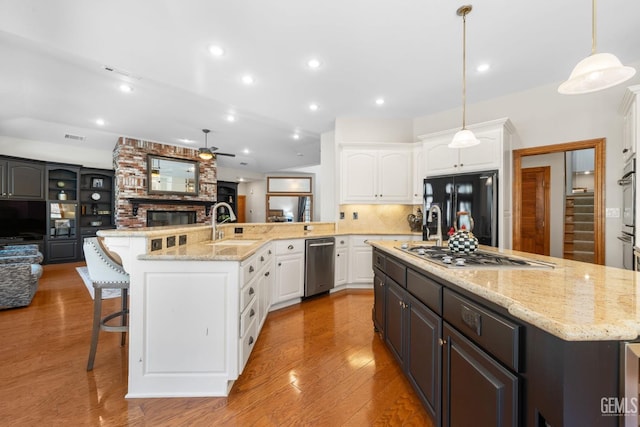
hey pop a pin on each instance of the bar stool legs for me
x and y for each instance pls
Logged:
(100, 323)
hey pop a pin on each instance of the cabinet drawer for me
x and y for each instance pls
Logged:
(494, 333)
(428, 291)
(248, 315)
(378, 260)
(247, 344)
(264, 257)
(396, 270)
(249, 270)
(284, 247)
(247, 293)
(342, 242)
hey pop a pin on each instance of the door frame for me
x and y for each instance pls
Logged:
(599, 145)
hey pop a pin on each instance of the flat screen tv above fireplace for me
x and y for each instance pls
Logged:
(160, 218)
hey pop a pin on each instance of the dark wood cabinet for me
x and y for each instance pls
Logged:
(21, 180)
(395, 319)
(227, 192)
(476, 390)
(62, 213)
(96, 203)
(378, 302)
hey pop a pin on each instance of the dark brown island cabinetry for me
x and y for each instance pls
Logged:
(473, 364)
(21, 180)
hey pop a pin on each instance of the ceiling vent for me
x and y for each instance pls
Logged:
(74, 137)
(244, 163)
(121, 72)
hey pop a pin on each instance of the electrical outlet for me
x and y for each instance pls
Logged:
(182, 239)
(341, 215)
(171, 241)
(613, 212)
(156, 244)
(355, 215)
(237, 230)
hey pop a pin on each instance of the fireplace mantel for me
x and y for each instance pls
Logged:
(135, 203)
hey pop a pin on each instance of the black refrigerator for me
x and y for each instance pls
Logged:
(470, 192)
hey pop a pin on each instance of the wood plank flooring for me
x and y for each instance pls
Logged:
(316, 363)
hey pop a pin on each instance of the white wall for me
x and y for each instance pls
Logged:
(256, 200)
(327, 192)
(349, 129)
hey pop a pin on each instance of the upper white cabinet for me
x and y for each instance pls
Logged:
(419, 173)
(631, 117)
(376, 174)
(440, 159)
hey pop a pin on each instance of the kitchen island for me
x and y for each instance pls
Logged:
(509, 346)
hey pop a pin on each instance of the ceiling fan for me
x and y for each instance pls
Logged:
(206, 153)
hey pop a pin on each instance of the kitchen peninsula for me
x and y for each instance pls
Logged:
(509, 346)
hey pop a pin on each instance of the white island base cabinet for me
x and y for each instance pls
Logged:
(182, 313)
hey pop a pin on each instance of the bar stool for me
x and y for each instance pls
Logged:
(105, 273)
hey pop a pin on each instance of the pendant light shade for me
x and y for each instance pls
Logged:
(464, 138)
(596, 72)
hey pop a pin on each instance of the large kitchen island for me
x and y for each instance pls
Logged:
(507, 346)
(492, 346)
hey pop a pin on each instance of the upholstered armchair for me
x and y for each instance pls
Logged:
(20, 270)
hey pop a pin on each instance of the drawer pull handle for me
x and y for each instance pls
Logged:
(267, 274)
(262, 259)
(290, 247)
(251, 269)
(442, 342)
(252, 313)
(472, 319)
(250, 340)
(251, 291)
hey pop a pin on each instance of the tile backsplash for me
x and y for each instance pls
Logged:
(376, 218)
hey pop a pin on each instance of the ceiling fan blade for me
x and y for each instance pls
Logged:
(224, 154)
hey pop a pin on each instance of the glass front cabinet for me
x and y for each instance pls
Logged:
(62, 213)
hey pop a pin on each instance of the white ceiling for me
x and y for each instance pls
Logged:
(53, 53)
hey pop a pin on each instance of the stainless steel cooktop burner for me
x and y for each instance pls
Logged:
(479, 259)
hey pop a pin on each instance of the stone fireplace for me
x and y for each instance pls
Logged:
(132, 199)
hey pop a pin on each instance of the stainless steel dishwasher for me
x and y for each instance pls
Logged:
(319, 256)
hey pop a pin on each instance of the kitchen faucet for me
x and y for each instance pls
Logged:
(436, 209)
(214, 208)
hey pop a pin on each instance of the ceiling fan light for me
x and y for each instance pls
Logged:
(463, 139)
(596, 72)
(205, 154)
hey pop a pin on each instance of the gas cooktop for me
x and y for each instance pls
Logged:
(479, 259)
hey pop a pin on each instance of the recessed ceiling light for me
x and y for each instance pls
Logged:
(100, 122)
(231, 118)
(380, 101)
(313, 107)
(295, 136)
(247, 79)
(126, 88)
(216, 50)
(246, 151)
(240, 179)
(313, 63)
(483, 67)
(299, 154)
(186, 141)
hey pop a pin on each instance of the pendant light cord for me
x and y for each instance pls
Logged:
(464, 69)
(593, 27)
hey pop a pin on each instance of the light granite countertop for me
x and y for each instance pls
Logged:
(574, 301)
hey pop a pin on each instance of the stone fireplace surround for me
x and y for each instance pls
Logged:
(130, 164)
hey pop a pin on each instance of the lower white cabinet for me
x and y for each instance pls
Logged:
(342, 260)
(360, 253)
(289, 268)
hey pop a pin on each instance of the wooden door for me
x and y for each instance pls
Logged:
(241, 208)
(534, 224)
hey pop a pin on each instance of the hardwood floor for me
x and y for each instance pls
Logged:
(316, 363)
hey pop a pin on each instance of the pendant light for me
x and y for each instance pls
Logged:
(464, 138)
(597, 71)
(205, 153)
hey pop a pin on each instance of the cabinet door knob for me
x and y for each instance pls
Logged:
(262, 259)
(461, 164)
(267, 274)
(279, 264)
(250, 340)
(251, 269)
(251, 291)
(342, 242)
(337, 254)
(252, 313)
(290, 247)
(442, 342)
(625, 150)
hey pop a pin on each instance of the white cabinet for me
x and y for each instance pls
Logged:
(360, 265)
(376, 175)
(440, 159)
(342, 260)
(289, 270)
(419, 173)
(631, 122)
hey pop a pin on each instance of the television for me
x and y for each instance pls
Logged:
(23, 220)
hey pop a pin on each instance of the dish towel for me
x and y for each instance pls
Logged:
(106, 293)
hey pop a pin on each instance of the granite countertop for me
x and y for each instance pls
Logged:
(574, 301)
